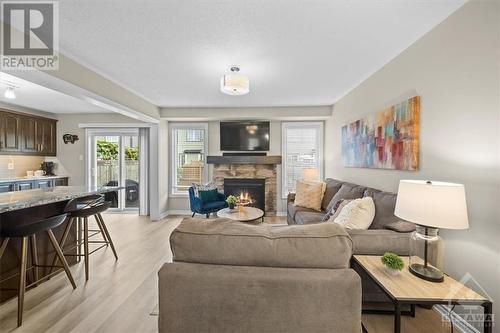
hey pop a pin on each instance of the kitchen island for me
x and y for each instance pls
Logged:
(27, 206)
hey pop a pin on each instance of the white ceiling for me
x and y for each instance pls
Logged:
(295, 52)
(37, 97)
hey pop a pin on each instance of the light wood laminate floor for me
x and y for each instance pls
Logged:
(120, 295)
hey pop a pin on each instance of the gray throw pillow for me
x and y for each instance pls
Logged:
(385, 203)
(347, 191)
(335, 210)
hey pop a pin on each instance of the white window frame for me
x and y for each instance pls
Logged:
(320, 147)
(174, 157)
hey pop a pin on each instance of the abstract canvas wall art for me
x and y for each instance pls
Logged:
(388, 139)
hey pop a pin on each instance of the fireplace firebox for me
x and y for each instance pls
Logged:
(255, 188)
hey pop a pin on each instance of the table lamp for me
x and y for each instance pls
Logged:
(431, 206)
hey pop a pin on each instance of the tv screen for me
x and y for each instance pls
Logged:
(244, 136)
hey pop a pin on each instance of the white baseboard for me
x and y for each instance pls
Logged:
(179, 212)
(458, 322)
(162, 215)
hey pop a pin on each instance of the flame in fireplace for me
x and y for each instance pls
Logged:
(244, 198)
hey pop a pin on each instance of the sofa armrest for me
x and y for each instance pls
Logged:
(400, 226)
(196, 204)
(290, 197)
(224, 298)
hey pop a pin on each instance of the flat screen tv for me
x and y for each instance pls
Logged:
(244, 136)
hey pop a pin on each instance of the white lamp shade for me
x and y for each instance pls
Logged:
(432, 204)
(309, 174)
(234, 84)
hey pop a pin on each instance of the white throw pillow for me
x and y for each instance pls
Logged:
(357, 214)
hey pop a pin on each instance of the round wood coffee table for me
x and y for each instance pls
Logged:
(248, 214)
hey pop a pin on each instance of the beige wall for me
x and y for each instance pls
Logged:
(182, 203)
(163, 167)
(455, 70)
(70, 158)
(267, 113)
(214, 115)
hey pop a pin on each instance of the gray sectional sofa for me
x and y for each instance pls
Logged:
(229, 276)
(386, 233)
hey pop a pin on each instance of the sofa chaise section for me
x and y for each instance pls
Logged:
(386, 233)
(234, 277)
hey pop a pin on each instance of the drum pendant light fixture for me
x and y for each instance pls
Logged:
(234, 84)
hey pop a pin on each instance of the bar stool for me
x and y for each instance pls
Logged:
(25, 232)
(81, 209)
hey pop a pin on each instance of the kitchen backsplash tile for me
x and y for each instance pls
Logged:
(21, 165)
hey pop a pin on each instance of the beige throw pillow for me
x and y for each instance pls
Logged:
(357, 214)
(309, 194)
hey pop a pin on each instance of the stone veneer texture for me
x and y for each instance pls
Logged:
(259, 171)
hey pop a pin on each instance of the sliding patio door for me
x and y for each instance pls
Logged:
(114, 158)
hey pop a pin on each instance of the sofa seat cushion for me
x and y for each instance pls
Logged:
(293, 210)
(401, 226)
(308, 217)
(214, 206)
(379, 241)
(226, 242)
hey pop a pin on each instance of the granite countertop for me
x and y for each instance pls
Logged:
(18, 179)
(10, 201)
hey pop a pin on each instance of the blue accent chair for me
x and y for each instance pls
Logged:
(198, 207)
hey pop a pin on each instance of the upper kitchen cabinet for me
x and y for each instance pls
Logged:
(10, 133)
(24, 134)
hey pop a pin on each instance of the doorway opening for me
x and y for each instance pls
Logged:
(117, 157)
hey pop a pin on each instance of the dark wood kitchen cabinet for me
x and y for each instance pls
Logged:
(46, 136)
(24, 134)
(10, 132)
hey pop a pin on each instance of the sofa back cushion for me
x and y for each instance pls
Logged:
(332, 187)
(385, 202)
(226, 242)
(347, 191)
(207, 196)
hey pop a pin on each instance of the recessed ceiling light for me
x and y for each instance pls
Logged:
(10, 93)
(234, 84)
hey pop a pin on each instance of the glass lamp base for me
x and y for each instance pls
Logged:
(428, 273)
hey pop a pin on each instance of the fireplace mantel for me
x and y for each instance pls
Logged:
(244, 159)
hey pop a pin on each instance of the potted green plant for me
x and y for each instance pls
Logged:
(392, 262)
(231, 201)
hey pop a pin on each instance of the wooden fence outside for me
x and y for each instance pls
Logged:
(109, 170)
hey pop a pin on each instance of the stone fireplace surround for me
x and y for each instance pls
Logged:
(262, 167)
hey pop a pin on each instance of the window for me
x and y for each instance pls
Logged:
(189, 144)
(195, 135)
(302, 148)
